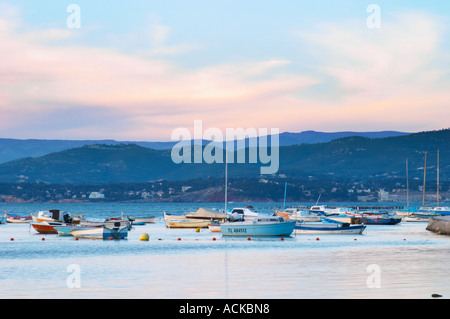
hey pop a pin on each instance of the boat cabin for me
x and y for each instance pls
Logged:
(54, 215)
(242, 214)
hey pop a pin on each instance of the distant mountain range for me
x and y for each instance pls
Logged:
(352, 157)
(11, 149)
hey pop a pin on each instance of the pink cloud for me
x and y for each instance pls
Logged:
(384, 81)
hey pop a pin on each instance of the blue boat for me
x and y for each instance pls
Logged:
(383, 219)
(260, 226)
(328, 226)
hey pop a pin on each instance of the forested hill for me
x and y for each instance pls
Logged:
(350, 157)
(11, 149)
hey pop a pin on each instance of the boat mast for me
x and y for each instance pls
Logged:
(284, 203)
(437, 194)
(226, 182)
(318, 199)
(407, 185)
(424, 176)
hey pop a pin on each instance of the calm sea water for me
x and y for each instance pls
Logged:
(392, 261)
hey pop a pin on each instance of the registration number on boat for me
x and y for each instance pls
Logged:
(237, 230)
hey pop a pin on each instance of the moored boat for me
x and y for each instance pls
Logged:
(328, 226)
(47, 227)
(171, 217)
(205, 214)
(145, 220)
(53, 215)
(436, 211)
(346, 218)
(299, 214)
(187, 223)
(15, 218)
(214, 227)
(65, 230)
(124, 221)
(415, 218)
(381, 219)
(319, 209)
(260, 226)
(103, 232)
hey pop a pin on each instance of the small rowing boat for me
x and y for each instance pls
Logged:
(187, 223)
(116, 232)
(14, 218)
(214, 227)
(383, 219)
(328, 226)
(143, 220)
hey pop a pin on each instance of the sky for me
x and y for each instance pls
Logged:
(138, 70)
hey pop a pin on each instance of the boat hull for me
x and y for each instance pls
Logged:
(346, 219)
(187, 223)
(46, 227)
(107, 223)
(145, 220)
(305, 218)
(214, 228)
(66, 230)
(328, 229)
(380, 221)
(101, 233)
(249, 228)
(415, 219)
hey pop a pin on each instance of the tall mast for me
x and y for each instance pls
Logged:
(424, 176)
(407, 185)
(437, 195)
(226, 182)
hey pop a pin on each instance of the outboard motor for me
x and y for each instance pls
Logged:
(67, 218)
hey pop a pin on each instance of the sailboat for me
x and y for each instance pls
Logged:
(409, 214)
(415, 214)
(259, 226)
(439, 210)
(297, 213)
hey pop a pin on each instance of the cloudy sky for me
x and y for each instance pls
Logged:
(137, 70)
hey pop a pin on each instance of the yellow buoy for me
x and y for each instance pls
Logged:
(197, 230)
(144, 237)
